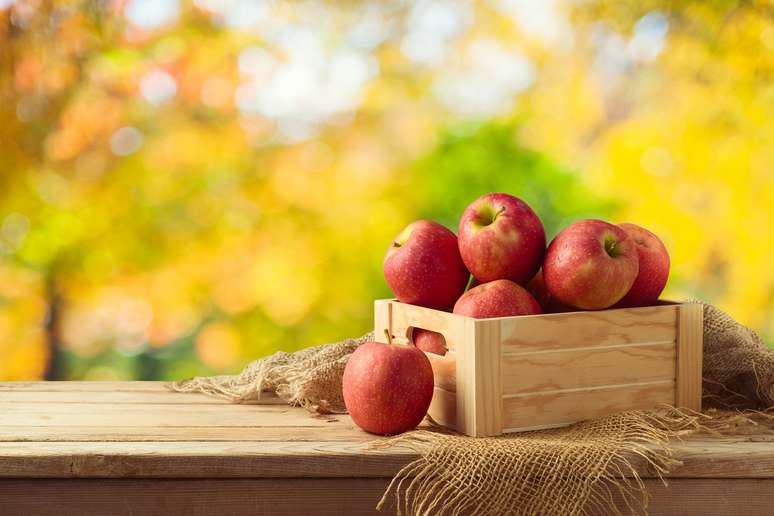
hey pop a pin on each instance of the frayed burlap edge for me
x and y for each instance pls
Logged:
(310, 378)
(592, 467)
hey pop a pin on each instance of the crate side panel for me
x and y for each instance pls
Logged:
(444, 370)
(443, 408)
(405, 316)
(689, 356)
(590, 367)
(656, 324)
(562, 408)
(466, 379)
(381, 319)
(488, 378)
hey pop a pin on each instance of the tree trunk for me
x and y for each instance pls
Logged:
(55, 366)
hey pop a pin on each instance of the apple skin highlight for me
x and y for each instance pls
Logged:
(387, 387)
(591, 264)
(423, 266)
(500, 237)
(500, 298)
(429, 341)
(654, 268)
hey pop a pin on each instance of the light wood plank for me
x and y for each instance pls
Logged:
(191, 497)
(589, 329)
(444, 370)
(689, 356)
(487, 378)
(160, 397)
(569, 369)
(236, 497)
(402, 317)
(443, 408)
(58, 386)
(465, 393)
(561, 408)
(302, 445)
(157, 415)
(342, 430)
(200, 459)
(701, 456)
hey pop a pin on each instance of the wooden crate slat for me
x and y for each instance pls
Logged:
(567, 369)
(589, 329)
(444, 370)
(400, 317)
(562, 408)
(443, 408)
(689, 356)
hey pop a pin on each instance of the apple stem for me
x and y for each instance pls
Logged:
(389, 336)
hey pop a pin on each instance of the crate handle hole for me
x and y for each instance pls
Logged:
(429, 341)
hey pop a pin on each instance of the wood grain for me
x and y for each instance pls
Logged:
(443, 408)
(279, 441)
(157, 415)
(572, 368)
(400, 318)
(465, 393)
(444, 370)
(343, 429)
(655, 324)
(689, 356)
(564, 407)
(487, 378)
(185, 459)
(204, 497)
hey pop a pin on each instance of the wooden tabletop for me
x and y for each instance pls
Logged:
(81, 443)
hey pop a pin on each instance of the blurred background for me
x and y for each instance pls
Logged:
(186, 186)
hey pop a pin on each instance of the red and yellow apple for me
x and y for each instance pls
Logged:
(500, 237)
(591, 264)
(499, 298)
(429, 341)
(423, 266)
(537, 287)
(387, 387)
(654, 267)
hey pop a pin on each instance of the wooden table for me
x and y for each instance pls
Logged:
(134, 448)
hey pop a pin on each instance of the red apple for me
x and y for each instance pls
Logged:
(591, 264)
(537, 287)
(501, 238)
(423, 266)
(387, 387)
(429, 341)
(654, 267)
(499, 298)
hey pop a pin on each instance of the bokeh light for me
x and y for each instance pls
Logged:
(187, 186)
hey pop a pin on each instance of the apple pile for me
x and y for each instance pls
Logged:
(590, 265)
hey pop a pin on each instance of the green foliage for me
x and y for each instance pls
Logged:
(474, 160)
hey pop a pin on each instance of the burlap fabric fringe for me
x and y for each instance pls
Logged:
(586, 468)
(310, 378)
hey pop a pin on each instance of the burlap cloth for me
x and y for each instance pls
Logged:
(566, 471)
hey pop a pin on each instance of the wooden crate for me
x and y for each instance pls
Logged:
(513, 374)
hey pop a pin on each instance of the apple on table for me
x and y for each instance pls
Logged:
(387, 387)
